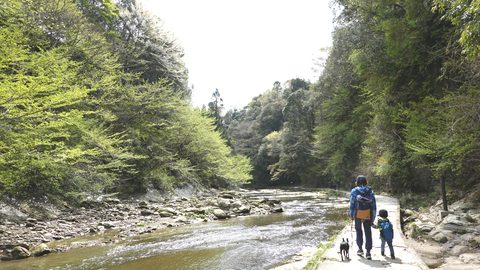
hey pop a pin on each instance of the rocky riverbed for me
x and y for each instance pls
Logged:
(24, 234)
(447, 239)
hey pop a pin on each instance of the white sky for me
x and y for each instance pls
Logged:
(242, 47)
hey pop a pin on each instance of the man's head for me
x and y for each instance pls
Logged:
(361, 180)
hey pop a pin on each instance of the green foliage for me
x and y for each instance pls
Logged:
(71, 121)
(275, 131)
(47, 141)
(465, 15)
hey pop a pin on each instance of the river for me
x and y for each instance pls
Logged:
(251, 242)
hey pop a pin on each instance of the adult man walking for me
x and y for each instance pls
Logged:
(363, 208)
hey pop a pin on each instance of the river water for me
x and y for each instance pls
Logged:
(252, 242)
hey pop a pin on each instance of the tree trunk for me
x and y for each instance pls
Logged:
(444, 193)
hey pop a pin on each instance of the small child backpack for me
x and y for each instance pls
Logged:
(386, 230)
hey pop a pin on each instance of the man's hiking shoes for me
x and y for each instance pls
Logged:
(368, 256)
(360, 252)
(393, 257)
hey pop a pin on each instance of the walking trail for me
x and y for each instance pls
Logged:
(406, 258)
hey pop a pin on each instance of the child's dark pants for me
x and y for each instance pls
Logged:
(390, 246)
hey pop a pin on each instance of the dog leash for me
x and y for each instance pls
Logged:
(351, 233)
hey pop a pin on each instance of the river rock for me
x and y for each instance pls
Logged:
(168, 209)
(165, 214)
(106, 225)
(220, 214)
(29, 225)
(41, 250)
(32, 220)
(19, 252)
(146, 213)
(407, 212)
(243, 210)
(236, 204)
(425, 227)
(277, 209)
(195, 210)
(432, 262)
(440, 237)
(470, 258)
(224, 204)
(227, 195)
(457, 250)
(112, 200)
(455, 224)
(475, 241)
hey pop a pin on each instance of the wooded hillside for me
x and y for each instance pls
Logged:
(93, 98)
(397, 101)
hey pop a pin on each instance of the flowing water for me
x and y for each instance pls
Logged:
(253, 242)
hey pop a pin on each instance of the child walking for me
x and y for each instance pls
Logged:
(386, 232)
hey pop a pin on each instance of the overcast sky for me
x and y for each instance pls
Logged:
(242, 47)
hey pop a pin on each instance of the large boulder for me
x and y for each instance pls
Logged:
(455, 224)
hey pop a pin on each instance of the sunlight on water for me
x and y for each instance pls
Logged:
(254, 242)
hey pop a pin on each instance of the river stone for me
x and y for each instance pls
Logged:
(41, 250)
(476, 241)
(19, 252)
(146, 213)
(243, 210)
(277, 209)
(106, 225)
(227, 195)
(407, 212)
(224, 204)
(168, 209)
(32, 220)
(432, 262)
(425, 227)
(470, 258)
(236, 204)
(112, 200)
(457, 250)
(165, 214)
(440, 237)
(220, 214)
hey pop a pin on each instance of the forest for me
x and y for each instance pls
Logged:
(397, 101)
(94, 98)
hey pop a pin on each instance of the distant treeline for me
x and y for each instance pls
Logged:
(398, 100)
(94, 97)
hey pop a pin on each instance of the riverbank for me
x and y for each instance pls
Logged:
(26, 231)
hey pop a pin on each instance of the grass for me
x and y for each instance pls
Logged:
(322, 248)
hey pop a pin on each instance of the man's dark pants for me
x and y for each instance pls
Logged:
(367, 227)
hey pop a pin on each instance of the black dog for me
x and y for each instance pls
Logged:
(344, 249)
